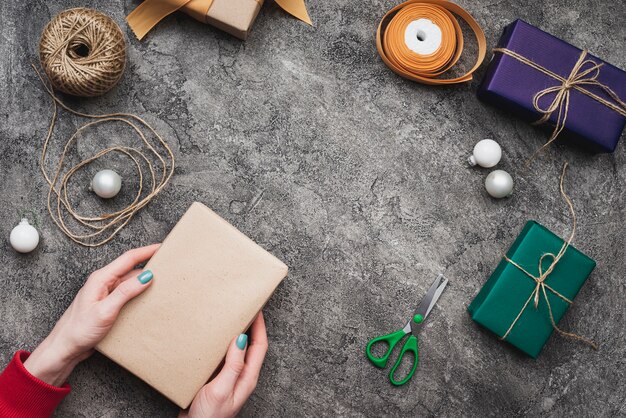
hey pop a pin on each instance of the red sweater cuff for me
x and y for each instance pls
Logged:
(22, 395)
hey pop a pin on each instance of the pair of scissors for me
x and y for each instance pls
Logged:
(412, 327)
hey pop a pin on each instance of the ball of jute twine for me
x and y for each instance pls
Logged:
(83, 52)
(70, 35)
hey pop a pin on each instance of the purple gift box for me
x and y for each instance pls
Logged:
(512, 85)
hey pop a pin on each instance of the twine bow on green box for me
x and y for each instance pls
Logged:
(541, 286)
(533, 286)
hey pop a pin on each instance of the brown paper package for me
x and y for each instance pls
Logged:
(210, 281)
(233, 16)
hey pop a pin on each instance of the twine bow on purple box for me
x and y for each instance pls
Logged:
(543, 79)
(585, 73)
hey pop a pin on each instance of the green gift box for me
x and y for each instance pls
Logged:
(514, 305)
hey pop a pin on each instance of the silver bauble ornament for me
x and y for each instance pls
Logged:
(24, 237)
(487, 153)
(499, 184)
(106, 184)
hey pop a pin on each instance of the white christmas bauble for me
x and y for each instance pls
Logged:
(487, 153)
(106, 184)
(499, 184)
(24, 237)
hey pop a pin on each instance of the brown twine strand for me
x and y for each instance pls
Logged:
(541, 285)
(578, 79)
(83, 52)
(104, 227)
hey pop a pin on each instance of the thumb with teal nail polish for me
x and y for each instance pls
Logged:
(242, 340)
(90, 316)
(228, 391)
(145, 277)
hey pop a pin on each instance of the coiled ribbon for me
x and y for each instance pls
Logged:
(427, 68)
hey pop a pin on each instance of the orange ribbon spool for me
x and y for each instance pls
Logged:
(425, 68)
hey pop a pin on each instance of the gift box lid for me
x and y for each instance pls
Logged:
(504, 294)
(210, 281)
(512, 85)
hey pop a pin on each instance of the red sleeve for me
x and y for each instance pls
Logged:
(22, 395)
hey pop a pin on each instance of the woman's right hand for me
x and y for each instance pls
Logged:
(90, 316)
(226, 394)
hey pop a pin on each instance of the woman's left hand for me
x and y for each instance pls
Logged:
(90, 316)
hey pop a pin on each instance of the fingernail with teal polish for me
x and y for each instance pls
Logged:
(242, 340)
(145, 277)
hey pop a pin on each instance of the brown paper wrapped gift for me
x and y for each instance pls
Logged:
(233, 16)
(210, 281)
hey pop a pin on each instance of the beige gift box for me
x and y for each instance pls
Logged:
(210, 281)
(233, 16)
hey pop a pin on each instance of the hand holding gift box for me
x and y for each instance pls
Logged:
(532, 287)
(546, 80)
(212, 283)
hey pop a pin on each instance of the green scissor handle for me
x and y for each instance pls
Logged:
(393, 339)
(409, 345)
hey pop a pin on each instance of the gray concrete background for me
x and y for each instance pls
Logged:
(356, 178)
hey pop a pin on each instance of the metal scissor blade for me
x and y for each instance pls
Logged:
(440, 288)
(431, 297)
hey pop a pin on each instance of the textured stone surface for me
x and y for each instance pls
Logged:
(354, 177)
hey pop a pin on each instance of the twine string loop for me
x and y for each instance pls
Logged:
(104, 227)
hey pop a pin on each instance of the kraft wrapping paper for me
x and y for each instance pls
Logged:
(210, 281)
(233, 16)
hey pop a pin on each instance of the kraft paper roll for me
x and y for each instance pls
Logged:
(422, 39)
